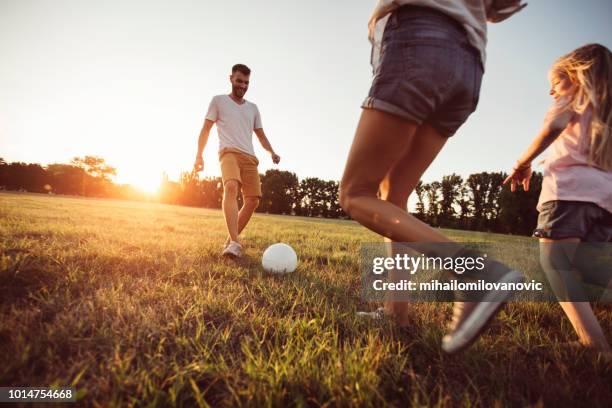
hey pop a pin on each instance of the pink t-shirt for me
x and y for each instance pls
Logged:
(567, 175)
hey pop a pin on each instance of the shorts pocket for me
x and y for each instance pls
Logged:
(432, 60)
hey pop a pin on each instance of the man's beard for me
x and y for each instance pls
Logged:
(238, 92)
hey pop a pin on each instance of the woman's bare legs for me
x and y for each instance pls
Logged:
(581, 315)
(590, 333)
(389, 154)
(380, 141)
(397, 186)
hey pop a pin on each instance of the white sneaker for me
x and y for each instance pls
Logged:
(476, 319)
(233, 249)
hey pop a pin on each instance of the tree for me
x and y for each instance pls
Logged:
(432, 191)
(420, 205)
(478, 185)
(3, 173)
(318, 198)
(212, 192)
(23, 176)
(191, 193)
(95, 167)
(333, 207)
(100, 174)
(517, 211)
(279, 192)
(491, 205)
(65, 178)
(449, 188)
(308, 197)
(464, 206)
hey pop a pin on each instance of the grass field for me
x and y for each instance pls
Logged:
(131, 303)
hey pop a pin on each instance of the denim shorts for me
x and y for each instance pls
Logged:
(428, 72)
(574, 219)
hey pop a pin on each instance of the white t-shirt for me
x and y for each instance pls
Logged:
(235, 123)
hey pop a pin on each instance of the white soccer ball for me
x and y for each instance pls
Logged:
(279, 258)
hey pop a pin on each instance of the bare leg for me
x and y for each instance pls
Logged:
(247, 210)
(586, 325)
(581, 315)
(402, 152)
(397, 187)
(230, 208)
(386, 138)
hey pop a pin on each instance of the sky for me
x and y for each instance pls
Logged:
(130, 81)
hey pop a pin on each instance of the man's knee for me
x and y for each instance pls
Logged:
(230, 189)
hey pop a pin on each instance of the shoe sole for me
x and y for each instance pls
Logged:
(378, 314)
(480, 318)
(230, 254)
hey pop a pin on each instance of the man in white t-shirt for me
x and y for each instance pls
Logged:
(236, 120)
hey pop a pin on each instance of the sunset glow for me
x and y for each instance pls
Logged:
(145, 180)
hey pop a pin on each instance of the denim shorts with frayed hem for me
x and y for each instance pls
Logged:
(574, 219)
(428, 71)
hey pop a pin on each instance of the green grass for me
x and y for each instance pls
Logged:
(132, 304)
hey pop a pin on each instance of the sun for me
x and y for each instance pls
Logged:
(147, 185)
(142, 179)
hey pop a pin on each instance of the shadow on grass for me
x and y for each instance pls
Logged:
(25, 272)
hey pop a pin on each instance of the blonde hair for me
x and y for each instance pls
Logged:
(589, 69)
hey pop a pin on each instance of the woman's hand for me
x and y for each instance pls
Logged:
(521, 174)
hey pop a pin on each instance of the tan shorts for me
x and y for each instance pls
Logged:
(242, 167)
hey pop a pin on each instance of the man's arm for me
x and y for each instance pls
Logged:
(265, 143)
(204, 133)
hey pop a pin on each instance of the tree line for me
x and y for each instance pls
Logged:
(282, 193)
(479, 202)
(88, 176)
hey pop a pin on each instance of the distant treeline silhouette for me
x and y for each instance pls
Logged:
(480, 202)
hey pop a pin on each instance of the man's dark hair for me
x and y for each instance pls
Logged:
(241, 68)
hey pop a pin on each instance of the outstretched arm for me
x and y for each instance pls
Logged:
(521, 173)
(265, 143)
(204, 133)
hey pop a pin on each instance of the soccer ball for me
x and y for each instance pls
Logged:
(279, 258)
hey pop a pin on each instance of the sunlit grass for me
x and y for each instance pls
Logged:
(132, 304)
